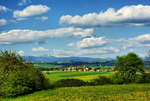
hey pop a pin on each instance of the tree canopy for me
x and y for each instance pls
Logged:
(128, 66)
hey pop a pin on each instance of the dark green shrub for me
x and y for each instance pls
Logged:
(69, 83)
(143, 78)
(117, 78)
(101, 80)
(39, 80)
(18, 84)
(147, 78)
(24, 82)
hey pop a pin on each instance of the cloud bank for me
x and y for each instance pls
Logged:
(89, 51)
(103, 45)
(31, 11)
(40, 49)
(135, 15)
(26, 36)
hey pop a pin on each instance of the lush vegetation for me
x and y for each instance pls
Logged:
(18, 76)
(136, 92)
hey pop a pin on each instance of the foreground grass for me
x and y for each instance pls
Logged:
(83, 75)
(136, 92)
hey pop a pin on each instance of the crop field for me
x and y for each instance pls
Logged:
(131, 92)
(84, 75)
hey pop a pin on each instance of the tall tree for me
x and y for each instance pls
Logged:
(128, 66)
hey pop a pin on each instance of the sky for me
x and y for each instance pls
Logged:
(83, 28)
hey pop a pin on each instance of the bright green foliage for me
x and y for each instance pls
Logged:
(18, 76)
(128, 66)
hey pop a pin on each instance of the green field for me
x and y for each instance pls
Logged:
(132, 92)
(84, 75)
(45, 65)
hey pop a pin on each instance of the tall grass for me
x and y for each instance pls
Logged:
(136, 92)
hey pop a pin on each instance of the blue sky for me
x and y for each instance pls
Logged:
(87, 28)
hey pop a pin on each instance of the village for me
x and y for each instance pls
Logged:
(98, 69)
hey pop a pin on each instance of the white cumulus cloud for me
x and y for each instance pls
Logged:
(26, 36)
(42, 18)
(92, 42)
(3, 9)
(131, 50)
(139, 41)
(142, 39)
(142, 55)
(39, 49)
(23, 2)
(21, 52)
(31, 11)
(3, 22)
(135, 15)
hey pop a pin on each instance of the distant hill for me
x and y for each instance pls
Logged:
(48, 58)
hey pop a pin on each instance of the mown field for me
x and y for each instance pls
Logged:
(132, 92)
(84, 75)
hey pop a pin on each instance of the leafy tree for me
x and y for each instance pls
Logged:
(18, 76)
(128, 66)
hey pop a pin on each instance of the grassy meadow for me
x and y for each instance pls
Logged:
(83, 75)
(135, 92)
